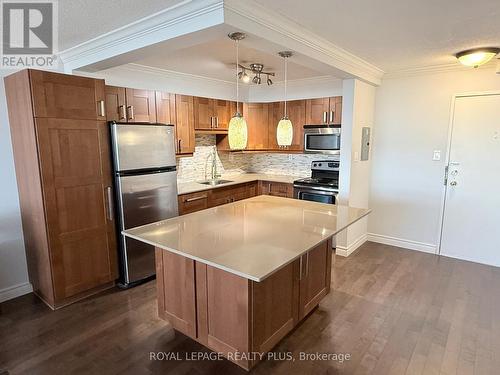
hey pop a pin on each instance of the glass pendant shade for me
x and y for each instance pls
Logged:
(477, 57)
(237, 132)
(284, 132)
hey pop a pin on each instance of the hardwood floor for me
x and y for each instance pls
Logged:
(394, 311)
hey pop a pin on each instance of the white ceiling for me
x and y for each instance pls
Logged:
(216, 59)
(391, 34)
(398, 34)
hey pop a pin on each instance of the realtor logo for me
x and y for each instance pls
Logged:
(29, 34)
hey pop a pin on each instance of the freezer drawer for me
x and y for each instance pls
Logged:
(137, 147)
(143, 199)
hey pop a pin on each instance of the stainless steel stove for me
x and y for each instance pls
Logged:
(322, 186)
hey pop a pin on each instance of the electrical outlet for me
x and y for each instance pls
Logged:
(290, 157)
(231, 157)
(436, 156)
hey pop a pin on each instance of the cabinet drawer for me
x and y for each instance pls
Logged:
(192, 202)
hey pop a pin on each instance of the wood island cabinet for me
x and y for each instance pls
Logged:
(231, 314)
(62, 157)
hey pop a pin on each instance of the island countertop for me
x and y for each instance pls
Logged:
(252, 238)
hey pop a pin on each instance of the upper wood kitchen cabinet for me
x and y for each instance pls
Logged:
(64, 96)
(296, 111)
(165, 108)
(184, 126)
(324, 111)
(257, 118)
(211, 114)
(63, 169)
(130, 105)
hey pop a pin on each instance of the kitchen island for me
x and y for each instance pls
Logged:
(237, 278)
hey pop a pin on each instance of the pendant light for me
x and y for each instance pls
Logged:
(237, 132)
(284, 131)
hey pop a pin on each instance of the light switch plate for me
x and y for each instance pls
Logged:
(436, 156)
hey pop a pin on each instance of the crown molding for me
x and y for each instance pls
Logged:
(258, 20)
(437, 69)
(180, 19)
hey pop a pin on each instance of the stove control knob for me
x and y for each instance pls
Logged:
(314, 164)
(319, 164)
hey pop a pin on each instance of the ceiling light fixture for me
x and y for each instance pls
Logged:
(237, 132)
(284, 131)
(257, 69)
(477, 56)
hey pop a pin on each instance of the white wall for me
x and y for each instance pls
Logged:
(412, 118)
(13, 270)
(358, 106)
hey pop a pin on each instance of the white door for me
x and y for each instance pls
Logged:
(471, 221)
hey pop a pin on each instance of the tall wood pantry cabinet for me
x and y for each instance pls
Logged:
(62, 158)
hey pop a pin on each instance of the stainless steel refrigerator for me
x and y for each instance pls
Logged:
(146, 190)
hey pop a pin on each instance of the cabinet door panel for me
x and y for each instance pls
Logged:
(275, 115)
(203, 113)
(184, 126)
(315, 281)
(141, 105)
(257, 118)
(63, 96)
(74, 162)
(165, 108)
(317, 111)
(222, 113)
(336, 110)
(115, 104)
(176, 291)
(297, 114)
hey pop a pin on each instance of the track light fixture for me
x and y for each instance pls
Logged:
(257, 70)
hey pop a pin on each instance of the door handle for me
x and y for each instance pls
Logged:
(331, 116)
(102, 109)
(109, 194)
(130, 110)
(123, 112)
(325, 114)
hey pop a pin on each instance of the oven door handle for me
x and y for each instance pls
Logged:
(304, 188)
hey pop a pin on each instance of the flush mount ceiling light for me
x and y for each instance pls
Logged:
(477, 56)
(284, 131)
(256, 69)
(237, 132)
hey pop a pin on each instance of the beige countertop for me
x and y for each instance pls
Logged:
(193, 186)
(252, 238)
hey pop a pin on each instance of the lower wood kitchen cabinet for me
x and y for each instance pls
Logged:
(231, 314)
(278, 189)
(64, 178)
(232, 193)
(193, 202)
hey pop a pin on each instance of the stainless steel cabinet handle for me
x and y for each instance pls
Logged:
(110, 203)
(325, 114)
(211, 122)
(123, 112)
(196, 198)
(179, 145)
(300, 268)
(331, 116)
(102, 109)
(307, 264)
(130, 110)
(217, 122)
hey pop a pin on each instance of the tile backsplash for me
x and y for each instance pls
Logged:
(193, 168)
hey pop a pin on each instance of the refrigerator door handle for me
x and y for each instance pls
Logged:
(110, 212)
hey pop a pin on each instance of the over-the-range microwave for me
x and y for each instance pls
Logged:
(324, 139)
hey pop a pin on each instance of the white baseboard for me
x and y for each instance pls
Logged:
(405, 244)
(346, 251)
(15, 291)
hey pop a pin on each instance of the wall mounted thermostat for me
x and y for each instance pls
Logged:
(365, 143)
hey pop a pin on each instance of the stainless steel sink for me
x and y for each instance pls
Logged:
(214, 182)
